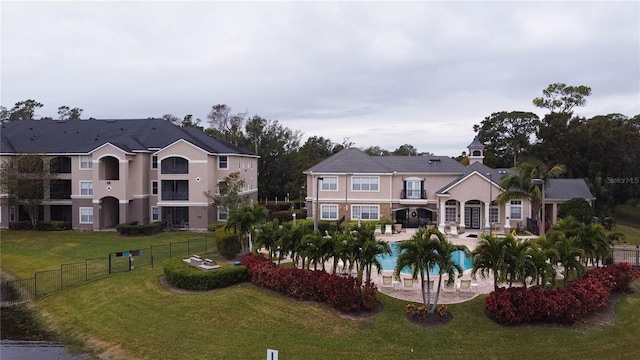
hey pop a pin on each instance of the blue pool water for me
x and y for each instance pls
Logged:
(388, 262)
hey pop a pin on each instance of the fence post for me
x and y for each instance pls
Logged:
(152, 260)
(109, 263)
(637, 255)
(188, 247)
(86, 270)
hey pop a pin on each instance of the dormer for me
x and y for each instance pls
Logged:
(476, 151)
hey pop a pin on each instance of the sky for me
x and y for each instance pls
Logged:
(371, 73)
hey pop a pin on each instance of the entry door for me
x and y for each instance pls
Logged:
(472, 217)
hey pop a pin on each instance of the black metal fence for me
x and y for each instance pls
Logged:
(626, 253)
(71, 274)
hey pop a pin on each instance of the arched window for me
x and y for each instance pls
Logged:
(174, 165)
(60, 165)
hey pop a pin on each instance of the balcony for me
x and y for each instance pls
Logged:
(175, 195)
(413, 194)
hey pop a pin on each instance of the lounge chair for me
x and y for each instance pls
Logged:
(428, 285)
(465, 285)
(408, 283)
(449, 287)
(387, 281)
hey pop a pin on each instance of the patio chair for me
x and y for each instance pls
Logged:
(428, 285)
(449, 287)
(465, 285)
(387, 281)
(408, 284)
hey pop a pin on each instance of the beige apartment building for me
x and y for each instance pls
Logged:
(114, 171)
(425, 190)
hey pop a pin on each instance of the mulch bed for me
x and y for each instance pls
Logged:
(428, 320)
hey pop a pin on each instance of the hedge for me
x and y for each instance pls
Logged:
(564, 305)
(133, 229)
(344, 293)
(185, 276)
(42, 225)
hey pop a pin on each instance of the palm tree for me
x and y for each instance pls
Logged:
(418, 254)
(517, 259)
(371, 250)
(569, 256)
(519, 186)
(488, 257)
(444, 250)
(594, 241)
(268, 236)
(243, 219)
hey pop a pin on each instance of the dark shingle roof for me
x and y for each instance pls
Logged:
(83, 136)
(356, 161)
(565, 189)
(475, 143)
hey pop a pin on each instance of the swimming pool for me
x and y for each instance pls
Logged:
(388, 262)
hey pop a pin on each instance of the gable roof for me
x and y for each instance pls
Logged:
(565, 189)
(356, 161)
(494, 175)
(83, 136)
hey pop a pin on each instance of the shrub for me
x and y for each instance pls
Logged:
(565, 305)
(344, 293)
(227, 243)
(133, 229)
(189, 277)
(578, 208)
(42, 225)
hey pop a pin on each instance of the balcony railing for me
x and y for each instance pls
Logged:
(175, 195)
(413, 194)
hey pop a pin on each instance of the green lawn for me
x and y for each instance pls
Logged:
(628, 223)
(133, 316)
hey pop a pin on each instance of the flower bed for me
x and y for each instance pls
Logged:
(344, 293)
(564, 305)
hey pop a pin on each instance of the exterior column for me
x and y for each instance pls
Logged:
(442, 217)
(487, 206)
(462, 221)
(507, 223)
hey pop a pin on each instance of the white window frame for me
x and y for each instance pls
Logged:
(83, 188)
(357, 211)
(222, 210)
(226, 162)
(329, 183)
(515, 204)
(86, 212)
(494, 213)
(154, 161)
(157, 187)
(12, 213)
(84, 164)
(365, 183)
(155, 213)
(331, 211)
(450, 212)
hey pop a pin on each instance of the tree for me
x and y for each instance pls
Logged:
(418, 254)
(405, 150)
(24, 110)
(519, 186)
(579, 208)
(376, 151)
(488, 257)
(243, 220)
(506, 136)
(229, 192)
(226, 125)
(569, 256)
(444, 251)
(172, 119)
(4, 115)
(268, 236)
(560, 98)
(254, 129)
(189, 122)
(24, 177)
(66, 113)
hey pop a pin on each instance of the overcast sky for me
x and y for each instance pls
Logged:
(379, 73)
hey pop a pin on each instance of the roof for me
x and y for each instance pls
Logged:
(475, 143)
(354, 160)
(565, 189)
(83, 136)
(495, 175)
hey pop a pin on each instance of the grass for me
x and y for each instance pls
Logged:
(628, 223)
(132, 316)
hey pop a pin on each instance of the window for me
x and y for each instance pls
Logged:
(365, 212)
(222, 213)
(154, 161)
(86, 215)
(329, 212)
(60, 165)
(86, 188)
(450, 211)
(175, 190)
(174, 165)
(154, 214)
(329, 183)
(86, 163)
(154, 188)
(223, 162)
(413, 189)
(365, 183)
(516, 210)
(494, 213)
(12, 214)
